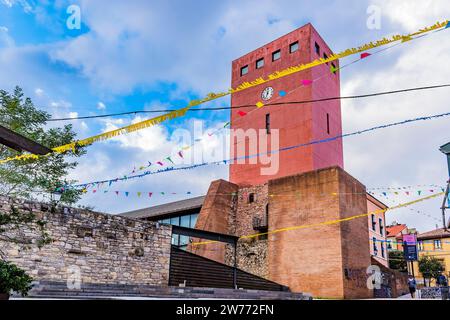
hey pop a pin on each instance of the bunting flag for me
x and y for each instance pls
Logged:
(333, 69)
(259, 104)
(225, 161)
(365, 55)
(180, 153)
(242, 113)
(160, 163)
(282, 93)
(307, 82)
(213, 96)
(150, 194)
(170, 160)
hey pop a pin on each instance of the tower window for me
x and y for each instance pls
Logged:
(251, 198)
(328, 123)
(334, 67)
(293, 47)
(317, 49)
(259, 63)
(276, 55)
(244, 70)
(325, 56)
(268, 123)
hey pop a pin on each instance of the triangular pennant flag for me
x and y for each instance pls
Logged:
(188, 192)
(150, 194)
(162, 193)
(141, 167)
(226, 124)
(84, 190)
(448, 25)
(407, 193)
(180, 153)
(117, 192)
(160, 163)
(365, 55)
(168, 158)
(333, 69)
(384, 193)
(259, 104)
(149, 163)
(431, 190)
(419, 192)
(139, 194)
(242, 113)
(94, 191)
(306, 82)
(110, 183)
(282, 93)
(127, 193)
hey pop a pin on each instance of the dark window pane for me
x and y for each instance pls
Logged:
(293, 47)
(276, 55)
(317, 49)
(175, 221)
(244, 70)
(259, 63)
(193, 219)
(185, 221)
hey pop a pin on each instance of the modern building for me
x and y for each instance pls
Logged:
(303, 225)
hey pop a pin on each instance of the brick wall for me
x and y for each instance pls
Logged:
(104, 248)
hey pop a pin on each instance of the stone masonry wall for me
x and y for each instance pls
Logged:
(252, 252)
(101, 248)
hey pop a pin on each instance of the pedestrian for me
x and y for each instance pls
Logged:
(443, 284)
(412, 286)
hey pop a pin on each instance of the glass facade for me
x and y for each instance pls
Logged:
(188, 221)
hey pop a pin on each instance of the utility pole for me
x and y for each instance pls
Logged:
(445, 149)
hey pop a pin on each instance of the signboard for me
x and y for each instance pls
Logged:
(410, 247)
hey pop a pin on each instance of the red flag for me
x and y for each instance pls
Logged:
(365, 55)
(242, 113)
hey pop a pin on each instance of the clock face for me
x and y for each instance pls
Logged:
(267, 93)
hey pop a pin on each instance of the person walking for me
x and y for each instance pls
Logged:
(443, 284)
(412, 286)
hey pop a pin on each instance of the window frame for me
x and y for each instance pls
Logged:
(259, 60)
(276, 52)
(293, 44)
(242, 68)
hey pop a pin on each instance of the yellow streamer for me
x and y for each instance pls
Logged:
(213, 96)
(330, 222)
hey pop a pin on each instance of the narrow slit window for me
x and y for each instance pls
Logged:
(317, 49)
(328, 123)
(325, 56)
(268, 123)
(251, 198)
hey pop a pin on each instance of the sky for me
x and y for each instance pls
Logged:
(149, 55)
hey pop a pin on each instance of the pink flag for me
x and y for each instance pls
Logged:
(306, 82)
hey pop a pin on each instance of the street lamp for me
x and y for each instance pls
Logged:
(55, 197)
(445, 149)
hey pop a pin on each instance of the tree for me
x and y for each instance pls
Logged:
(397, 261)
(430, 267)
(32, 178)
(29, 178)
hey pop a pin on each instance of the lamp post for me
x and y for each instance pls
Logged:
(55, 197)
(445, 149)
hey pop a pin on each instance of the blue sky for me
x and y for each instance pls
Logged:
(157, 54)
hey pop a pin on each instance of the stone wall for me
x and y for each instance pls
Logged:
(101, 248)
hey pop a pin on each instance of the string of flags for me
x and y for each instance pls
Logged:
(259, 104)
(213, 96)
(228, 161)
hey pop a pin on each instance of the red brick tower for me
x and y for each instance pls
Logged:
(297, 123)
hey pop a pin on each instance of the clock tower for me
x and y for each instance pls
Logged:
(288, 124)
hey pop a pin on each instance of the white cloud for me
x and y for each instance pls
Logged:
(39, 92)
(60, 104)
(101, 106)
(73, 115)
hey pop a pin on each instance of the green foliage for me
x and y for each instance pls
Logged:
(397, 261)
(430, 267)
(28, 178)
(13, 278)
